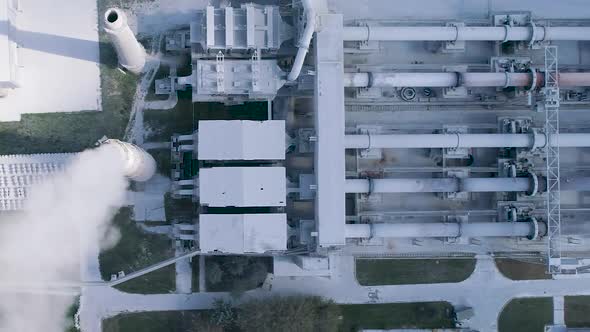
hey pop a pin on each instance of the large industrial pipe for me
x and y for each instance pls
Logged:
(455, 33)
(138, 164)
(305, 40)
(441, 185)
(452, 79)
(531, 229)
(129, 51)
(420, 141)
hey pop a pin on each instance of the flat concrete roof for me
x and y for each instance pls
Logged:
(58, 59)
(242, 186)
(4, 43)
(243, 233)
(241, 140)
(329, 120)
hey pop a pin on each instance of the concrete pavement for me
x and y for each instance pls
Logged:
(487, 291)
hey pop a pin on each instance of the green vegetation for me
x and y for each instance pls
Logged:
(286, 314)
(138, 249)
(370, 272)
(526, 315)
(246, 111)
(163, 162)
(236, 273)
(72, 132)
(184, 117)
(195, 274)
(523, 270)
(178, 209)
(397, 315)
(70, 316)
(165, 321)
(576, 311)
(162, 124)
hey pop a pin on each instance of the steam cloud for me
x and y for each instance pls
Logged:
(57, 239)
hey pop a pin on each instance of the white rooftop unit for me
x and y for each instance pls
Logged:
(254, 79)
(249, 27)
(242, 186)
(243, 233)
(19, 172)
(241, 140)
(9, 63)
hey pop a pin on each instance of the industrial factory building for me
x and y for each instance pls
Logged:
(389, 133)
(476, 147)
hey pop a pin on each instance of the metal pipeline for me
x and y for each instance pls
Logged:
(440, 185)
(305, 41)
(531, 229)
(504, 33)
(457, 140)
(530, 185)
(529, 80)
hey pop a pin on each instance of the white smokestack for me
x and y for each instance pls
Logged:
(130, 52)
(65, 222)
(138, 164)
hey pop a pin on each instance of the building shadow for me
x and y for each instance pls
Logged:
(99, 52)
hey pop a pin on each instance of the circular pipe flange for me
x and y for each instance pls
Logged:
(535, 184)
(534, 78)
(535, 234)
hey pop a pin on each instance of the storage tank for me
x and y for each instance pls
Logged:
(129, 51)
(139, 165)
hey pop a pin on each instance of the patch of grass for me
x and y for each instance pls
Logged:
(354, 318)
(138, 249)
(178, 210)
(397, 315)
(257, 111)
(163, 160)
(370, 272)
(523, 270)
(526, 315)
(158, 282)
(576, 311)
(73, 132)
(159, 321)
(236, 273)
(70, 316)
(162, 124)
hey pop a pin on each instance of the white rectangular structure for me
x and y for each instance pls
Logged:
(215, 80)
(243, 233)
(57, 61)
(18, 173)
(242, 186)
(241, 140)
(249, 27)
(329, 112)
(9, 66)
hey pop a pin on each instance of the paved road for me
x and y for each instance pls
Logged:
(486, 291)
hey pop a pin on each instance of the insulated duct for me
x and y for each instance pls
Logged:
(504, 33)
(439, 185)
(531, 229)
(528, 80)
(457, 140)
(305, 40)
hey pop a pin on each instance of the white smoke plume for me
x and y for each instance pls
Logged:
(57, 238)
